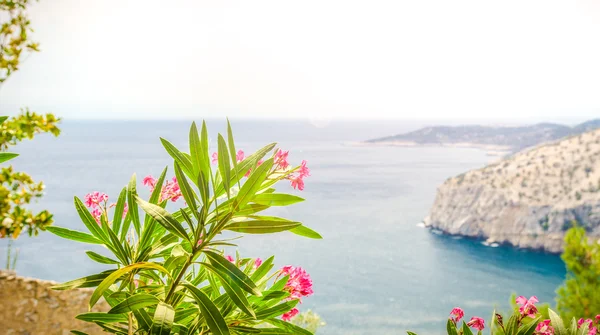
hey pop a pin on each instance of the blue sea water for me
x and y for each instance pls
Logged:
(375, 271)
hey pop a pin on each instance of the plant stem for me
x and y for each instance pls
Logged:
(130, 332)
(177, 280)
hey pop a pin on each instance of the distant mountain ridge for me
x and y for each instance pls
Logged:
(513, 138)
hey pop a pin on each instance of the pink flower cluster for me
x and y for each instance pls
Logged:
(280, 163)
(299, 285)
(527, 306)
(97, 202)
(592, 329)
(169, 191)
(544, 328)
(476, 322)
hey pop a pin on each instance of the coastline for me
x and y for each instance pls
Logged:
(491, 149)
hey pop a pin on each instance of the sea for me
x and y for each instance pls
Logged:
(376, 270)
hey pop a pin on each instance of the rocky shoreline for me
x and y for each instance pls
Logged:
(527, 200)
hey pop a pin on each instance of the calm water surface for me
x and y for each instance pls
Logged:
(375, 272)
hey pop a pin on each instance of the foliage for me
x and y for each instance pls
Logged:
(167, 273)
(18, 189)
(308, 320)
(15, 27)
(526, 319)
(580, 293)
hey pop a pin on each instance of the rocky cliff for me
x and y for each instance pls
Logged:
(527, 200)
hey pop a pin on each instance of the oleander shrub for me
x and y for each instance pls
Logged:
(167, 273)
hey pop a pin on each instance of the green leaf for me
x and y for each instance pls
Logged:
(529, 328)
(133, 210)
(101, 259)
(232, 152)
(179, 157)
(77, 332)
(89, 221)
(557, 323)
(224, 165)
(303, 230)
(186, 190)
(262, 226)
(164, 218)
(289, 327)
(215, 321)
(451, 328)
(466, 330)
(252, 185)
(105, 284)
(119, 208)
(512, 324)
(89, 281)
(134, 303)
(73, 235)
(238, 277)
(163, 319)
(196, 149)
(235, 293)
(101, 317)
(6, 156)
(276, 199)
(3, 118)
(262, 270)
(276, 310)
(410, 333)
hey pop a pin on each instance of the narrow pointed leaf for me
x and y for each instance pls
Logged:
(303, 230)
(101, 259)
(73, 235)
(235, 293)
(134, 302)
(186, 190)
(105, 284)
(251, 186)
(89, 221)
(262, 226)
(239, 277)
(119, 208)
(212, 316)
(276, 199)
(164, 218)
(101, 317)
(89, 281)
(133, 210)
(224, 165)
(6, 156)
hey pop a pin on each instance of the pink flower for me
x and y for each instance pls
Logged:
(257, 263)
(215, 157)
(297, 182)
(527, 306)
(477, 323)
(303, 171)
(240, 156)
(150, 181)
(593, 330)
(281, 159)
(170, 191)
(458, 314)
(231, 259)
(97, 214)
(289, 315)
(94, 199)
(582, 321)
(299, 283)
(598, 318)
(544, 328)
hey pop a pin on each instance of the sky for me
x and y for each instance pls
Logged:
(426, 59)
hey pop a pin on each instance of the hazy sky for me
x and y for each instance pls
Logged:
(536, 59)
